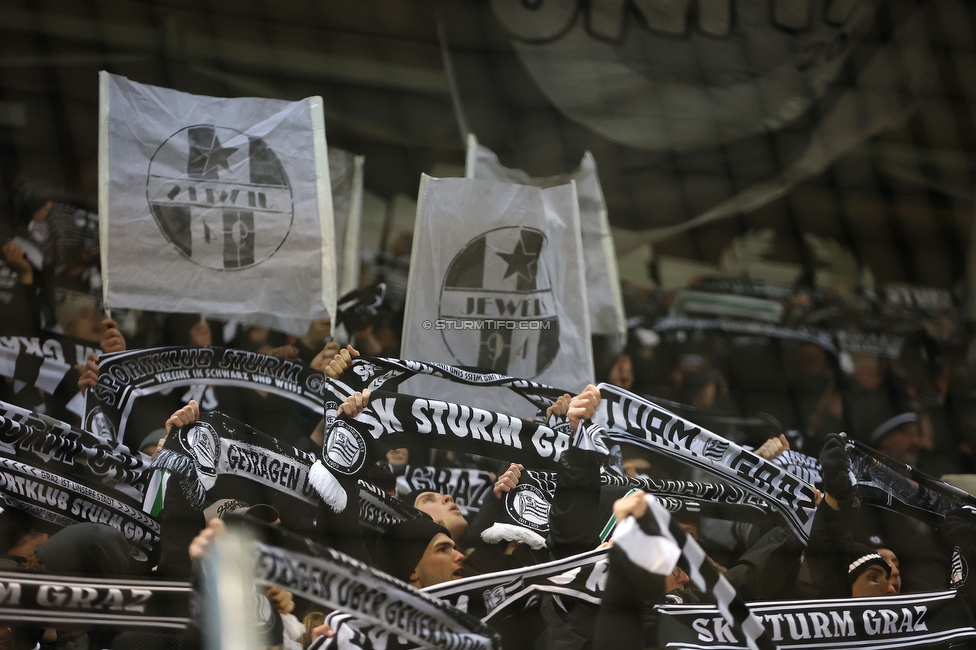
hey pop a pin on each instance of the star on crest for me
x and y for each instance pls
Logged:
(521, 262)
(213, 158)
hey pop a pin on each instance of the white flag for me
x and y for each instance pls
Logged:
(606, 305)
(496, 282)
(214, 205)
(346, 171)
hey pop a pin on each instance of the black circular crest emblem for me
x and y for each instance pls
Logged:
(345, 449)
(499, 305)
(98, 423)
(528, 507)
(220, 197)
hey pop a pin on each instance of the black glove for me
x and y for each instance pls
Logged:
(361, 307)
(959, 525)
(833, 462)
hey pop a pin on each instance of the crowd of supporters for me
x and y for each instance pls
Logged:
(889, 369)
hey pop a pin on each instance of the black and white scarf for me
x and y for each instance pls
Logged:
(69, 601)
(751, 328)
(63, 502)
(938, 620)
(656, 543)
(378, 510)
(42, 360)
(125, 376)
(527, 505)
(582, 577)
(393, 420)
(336, 581)
(48, 470)
(217, 445)
(625, 418)
(381, 373)
(70, 451)
(902, 488)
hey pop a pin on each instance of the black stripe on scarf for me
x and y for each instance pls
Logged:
(68, 601)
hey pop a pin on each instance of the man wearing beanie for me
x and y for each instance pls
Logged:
(899, 437)
(420, 552)
(868, 572)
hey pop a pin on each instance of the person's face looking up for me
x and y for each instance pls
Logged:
(872, 582)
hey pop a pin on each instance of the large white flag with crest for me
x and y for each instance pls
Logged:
(215, 205)
(497, 282)
(606, 305)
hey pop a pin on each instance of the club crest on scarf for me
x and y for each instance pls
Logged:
(345, 450)
(498, 303)
(203, 443)
(498, 594)
(528, 506)
(221, 197)
(99, 424)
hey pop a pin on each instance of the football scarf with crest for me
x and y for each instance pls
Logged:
(392, 420)
(528, 503)
(67, 449)
(64, 476)
(123, 377)
(217, 445)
